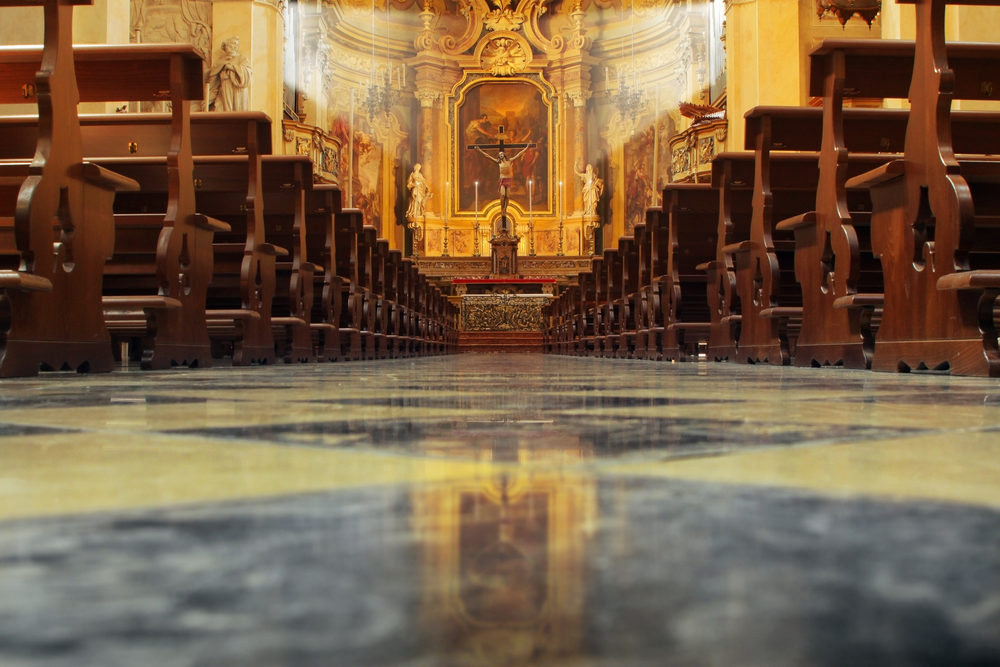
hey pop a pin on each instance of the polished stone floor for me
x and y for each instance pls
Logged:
(500, 510)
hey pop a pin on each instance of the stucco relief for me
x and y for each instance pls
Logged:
(187, 21)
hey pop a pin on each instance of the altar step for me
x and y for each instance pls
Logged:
(500, 341)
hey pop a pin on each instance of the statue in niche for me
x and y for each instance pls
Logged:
(420, 192)
(229, 80)
(592, 189)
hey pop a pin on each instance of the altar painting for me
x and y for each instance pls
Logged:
(520, 108)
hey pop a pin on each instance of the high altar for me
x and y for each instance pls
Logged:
(445, 76)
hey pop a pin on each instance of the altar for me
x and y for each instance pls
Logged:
(502, 312)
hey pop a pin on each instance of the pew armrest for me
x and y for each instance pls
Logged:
(780, 312)
(690, 326)
(807, 219)
(863, 300)
(211, 224)
(27, 282)
(223, 315)
(970, 280)
(105, 178)
(739, 246)
(887, 172)
(271, 249)
(140, 302)
(288, 322)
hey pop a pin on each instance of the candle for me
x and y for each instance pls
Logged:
(530, 197)
(477, 199)
(447, 190)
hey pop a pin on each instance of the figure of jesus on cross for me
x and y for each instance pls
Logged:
(505, 166)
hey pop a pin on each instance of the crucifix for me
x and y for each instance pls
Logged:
(504, 164)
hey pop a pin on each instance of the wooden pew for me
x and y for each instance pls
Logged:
(784, 186)
(652, 255)
(383, 307)
(626, 296)
(229, 187)
(642, 233)
(612, 301)
(154, 284)
(323, 202)
(348, 227)
(692, 212)
(287, 182)
(732, 178)
(587, 312)
(52, 316)
(370, 302)
(841, 279)
(598, 310)
(935, 216)
(832, 257)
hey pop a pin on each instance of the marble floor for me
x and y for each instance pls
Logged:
(500, 510)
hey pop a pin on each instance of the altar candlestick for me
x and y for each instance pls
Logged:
(562, 204)
(531, 223)
(444, 242)
(475, 228)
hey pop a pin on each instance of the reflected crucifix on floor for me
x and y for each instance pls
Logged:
(505, 165)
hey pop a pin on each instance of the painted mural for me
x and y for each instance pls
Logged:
(638, 178)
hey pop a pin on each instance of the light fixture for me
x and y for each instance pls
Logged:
(629, 98)
(844, 9)
(380, 96)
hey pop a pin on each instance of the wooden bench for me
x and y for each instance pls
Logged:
(612, 301)
(229, 186)
(348, 225)
(588, 313)
(651, 240)
(733, 179)
(287, 183)
(323, 202)
(639, 306)
(53, 317)
(692, 212)
(935, 215)
(627, 295)
(832, 255)
(840, 278)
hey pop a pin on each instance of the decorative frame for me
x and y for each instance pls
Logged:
(501, 99)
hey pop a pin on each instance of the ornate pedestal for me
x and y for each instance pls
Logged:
(504, 254)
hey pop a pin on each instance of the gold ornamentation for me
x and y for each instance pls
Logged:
(502, 312)
(502, 17)
(504, 56)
